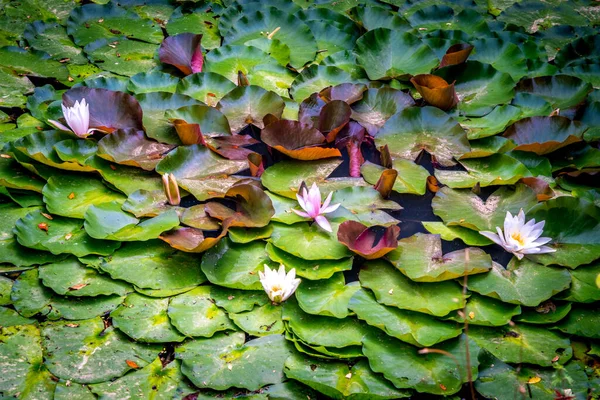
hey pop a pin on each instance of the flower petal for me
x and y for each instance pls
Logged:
(323, 223)
(301, 213)
(493, 237)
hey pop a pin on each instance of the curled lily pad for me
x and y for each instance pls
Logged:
(258, 362)
(574, 226)
(387, 54)
(543, 135)
(109, 221)
(523, 282)
(429, 372)
(326, 297)
(413, 130)
(392, 288)
(132, 147)
(109, 110)
(71, 195)
(59, 235)
(411, 178)
(435, 90)
(297, 140)
(411, 327)
(145, 319)
(247, 105)
(337, 380)
(364, 240)
(183, 51)
(523, 344)
(420, 258)
(91, 353)
(253, 207)
(309, 269)
(153, 265)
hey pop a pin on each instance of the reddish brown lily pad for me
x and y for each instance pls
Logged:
(367, 241)
(347, 92)
(543, 135)
(456, 54)
(132, 147)
(297, 140)
(182, 51)
(191, 240)
(333, 117)
(435, 90)
(109, 110)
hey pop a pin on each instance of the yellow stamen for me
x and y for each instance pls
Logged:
(517, 236)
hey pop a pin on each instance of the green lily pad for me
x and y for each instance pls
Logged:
(153, 81)
(574, 226)
(283, 209)
(466, 209)
(411, 327)
(327, 297)
(318, 330)
(91, 353)
(63, 235)
(210, 120)
(236, 300)
(420, 258)
(263, 23)
(152, 380)
(523, 344)
(378, 105)
(452, 232)
(224, 361)
(502, 55)
(388, 54)
(492, 123)
(581, 321)
(13, 89)
(5, 289)
(523, 282)
(10, 317)
(260, 321)
(25, 375)
(415, 129)
(260, 69)
(75, 151)
(432, 373)
(309, 269)
(331, 36)
(34, 63)
(546, 313)
(412, 178)
(235, 265)
(71, 195)
(497, 169)
(315, 78)
(13, 176)
(108, 221)
(502, 381)
(124, 178)
(309, 242)
(95, 21)
(52, 38)
(145, 319)
(194, 216)
(392, 288)
(536, 15)
(485, 311)
(363, 204)
(479, 86)
(207, 87)
(245, 235)
(153, 265)
(285, 177)
(195, 314)
(247, 105)
(561, 91)
(71, 278)
(163, 292)
(338, 381)
(200, 21)
(583, 285)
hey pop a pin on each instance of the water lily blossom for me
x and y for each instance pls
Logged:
(520, 238)
(78, 119)
(277, 284)
(310, 201)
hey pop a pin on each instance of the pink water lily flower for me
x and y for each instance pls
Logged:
(310, 201)
(78, 119)
(520, 238)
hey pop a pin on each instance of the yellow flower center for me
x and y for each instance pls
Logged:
(276, 288)
(517, 236)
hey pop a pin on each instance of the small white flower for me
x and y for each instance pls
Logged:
(277, 284)
(520, 238)
(78, 119)
(310, 201)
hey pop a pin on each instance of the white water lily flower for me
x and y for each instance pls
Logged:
(310, 201)
(277, 284)
(520, 238)
(78, 119)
